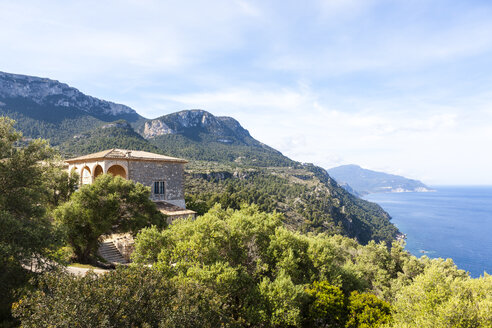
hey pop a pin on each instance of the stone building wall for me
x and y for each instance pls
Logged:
(147, 172)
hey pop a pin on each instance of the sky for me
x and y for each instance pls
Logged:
(403, 87)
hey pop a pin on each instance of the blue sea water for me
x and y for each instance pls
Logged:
(452, 222)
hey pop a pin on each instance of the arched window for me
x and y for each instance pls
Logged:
(117, 170)
(98, 171)
(86, 176)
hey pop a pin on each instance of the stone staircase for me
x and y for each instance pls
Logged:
(109, 252)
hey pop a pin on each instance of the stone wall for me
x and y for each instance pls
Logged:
(146, 172)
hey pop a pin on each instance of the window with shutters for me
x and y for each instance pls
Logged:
(159, 188)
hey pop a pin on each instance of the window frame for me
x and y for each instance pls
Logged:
(159, 188)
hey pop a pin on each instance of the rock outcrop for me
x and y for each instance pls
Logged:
(51, 93)
(190, 122)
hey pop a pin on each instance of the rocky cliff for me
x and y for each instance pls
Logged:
(45, 93)
(195, 122)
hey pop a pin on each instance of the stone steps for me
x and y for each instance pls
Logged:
(109, 252)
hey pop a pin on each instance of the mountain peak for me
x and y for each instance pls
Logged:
(44, 92)
(197, 121)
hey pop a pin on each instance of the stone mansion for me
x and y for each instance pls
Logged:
(163, 174)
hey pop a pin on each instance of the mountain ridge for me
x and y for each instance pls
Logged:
(45, 91)
(191, 121)
(54, 110)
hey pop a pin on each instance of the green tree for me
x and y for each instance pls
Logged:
(110, 204)
(127, 297)
(22, 172)
(148, 244)
(327, 308)
(443, 296)
(27, 237)
(225, 250)
(366, 310)
(59, 184)
(284, 301)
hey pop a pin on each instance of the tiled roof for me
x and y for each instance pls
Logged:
(127, 154)
(172, 210)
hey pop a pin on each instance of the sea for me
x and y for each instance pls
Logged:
(451, 222)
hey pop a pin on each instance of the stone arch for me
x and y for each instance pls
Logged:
(85, 175)
(98, 170)
(117, 170)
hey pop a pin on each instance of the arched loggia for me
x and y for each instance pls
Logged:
(117, 170)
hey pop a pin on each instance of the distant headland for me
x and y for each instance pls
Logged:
(360, 181)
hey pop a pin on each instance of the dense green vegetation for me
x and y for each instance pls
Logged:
(127, 297)
(207, 148)
(309, 199)
(31, 183)
(113, 135)
(243, 268)
(227, 268)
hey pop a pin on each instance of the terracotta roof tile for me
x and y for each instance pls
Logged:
(125, 153)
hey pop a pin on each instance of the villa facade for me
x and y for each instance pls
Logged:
(163, 174)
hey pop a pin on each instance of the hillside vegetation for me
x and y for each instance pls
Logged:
(117, 134)
(245, 269)
(306, 195)
(226, 268)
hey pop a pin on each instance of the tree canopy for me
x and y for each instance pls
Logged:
(27, 236)
(243, 268)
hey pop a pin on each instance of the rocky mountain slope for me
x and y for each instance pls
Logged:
(51, 109)
(364, 181)
(199, 135)
(192, 123)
